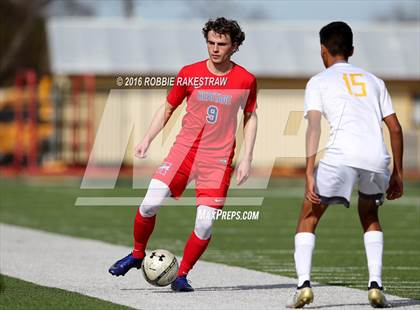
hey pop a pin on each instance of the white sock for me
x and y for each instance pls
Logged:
(374, 244)
(304, 246)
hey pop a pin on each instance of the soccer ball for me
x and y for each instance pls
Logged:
(160, 267)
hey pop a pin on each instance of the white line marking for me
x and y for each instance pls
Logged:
(80, 265)
(184, 201)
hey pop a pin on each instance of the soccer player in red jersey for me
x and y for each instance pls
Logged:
(216, 90)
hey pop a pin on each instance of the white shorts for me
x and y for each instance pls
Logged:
(335, 183)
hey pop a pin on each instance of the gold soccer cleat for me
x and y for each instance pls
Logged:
(302, 297)
(377, 297)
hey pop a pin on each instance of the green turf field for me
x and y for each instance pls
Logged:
(266, 244)
(18, 294)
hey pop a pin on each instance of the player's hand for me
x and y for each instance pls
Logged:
(243, 171)
(395, 189)
(141, 149)
(310, 193)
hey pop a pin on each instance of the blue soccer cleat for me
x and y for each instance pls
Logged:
(123, 265)
(181, 285)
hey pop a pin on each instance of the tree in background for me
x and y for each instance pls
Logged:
(23, 42)
(401, 13)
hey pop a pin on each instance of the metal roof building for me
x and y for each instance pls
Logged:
(282, 56)
(290, 50)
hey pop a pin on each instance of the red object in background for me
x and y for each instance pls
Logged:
(18, 111)
(90, 88)
(75, 141)
(82, 85)
(33, 120)
(28, 80)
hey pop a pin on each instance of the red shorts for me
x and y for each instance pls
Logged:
(211, 175)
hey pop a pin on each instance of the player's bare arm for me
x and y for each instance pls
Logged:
(250, 133)
(313, 133)
(395, 189)
(162, 115)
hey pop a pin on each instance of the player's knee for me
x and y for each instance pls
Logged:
(203, 230)
(154, 198)
(150, 206)
(368, 214)
(148, 210)
(204, 222)
(368, 218)
(311, 217)
(368, 210)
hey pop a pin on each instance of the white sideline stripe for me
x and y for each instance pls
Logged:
(230, 201)
(298, 192)
(184, 201)
(80, 265)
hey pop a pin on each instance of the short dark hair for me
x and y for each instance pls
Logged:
(225, 26)
(337, 37)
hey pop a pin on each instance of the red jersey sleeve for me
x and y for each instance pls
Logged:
(251, 103)
(179, 91)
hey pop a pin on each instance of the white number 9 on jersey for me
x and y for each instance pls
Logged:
(212, 112)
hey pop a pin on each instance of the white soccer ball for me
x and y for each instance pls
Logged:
(160, 267)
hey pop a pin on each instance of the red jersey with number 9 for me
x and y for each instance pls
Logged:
(213, 103)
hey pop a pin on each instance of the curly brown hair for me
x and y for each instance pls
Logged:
(225, 26)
